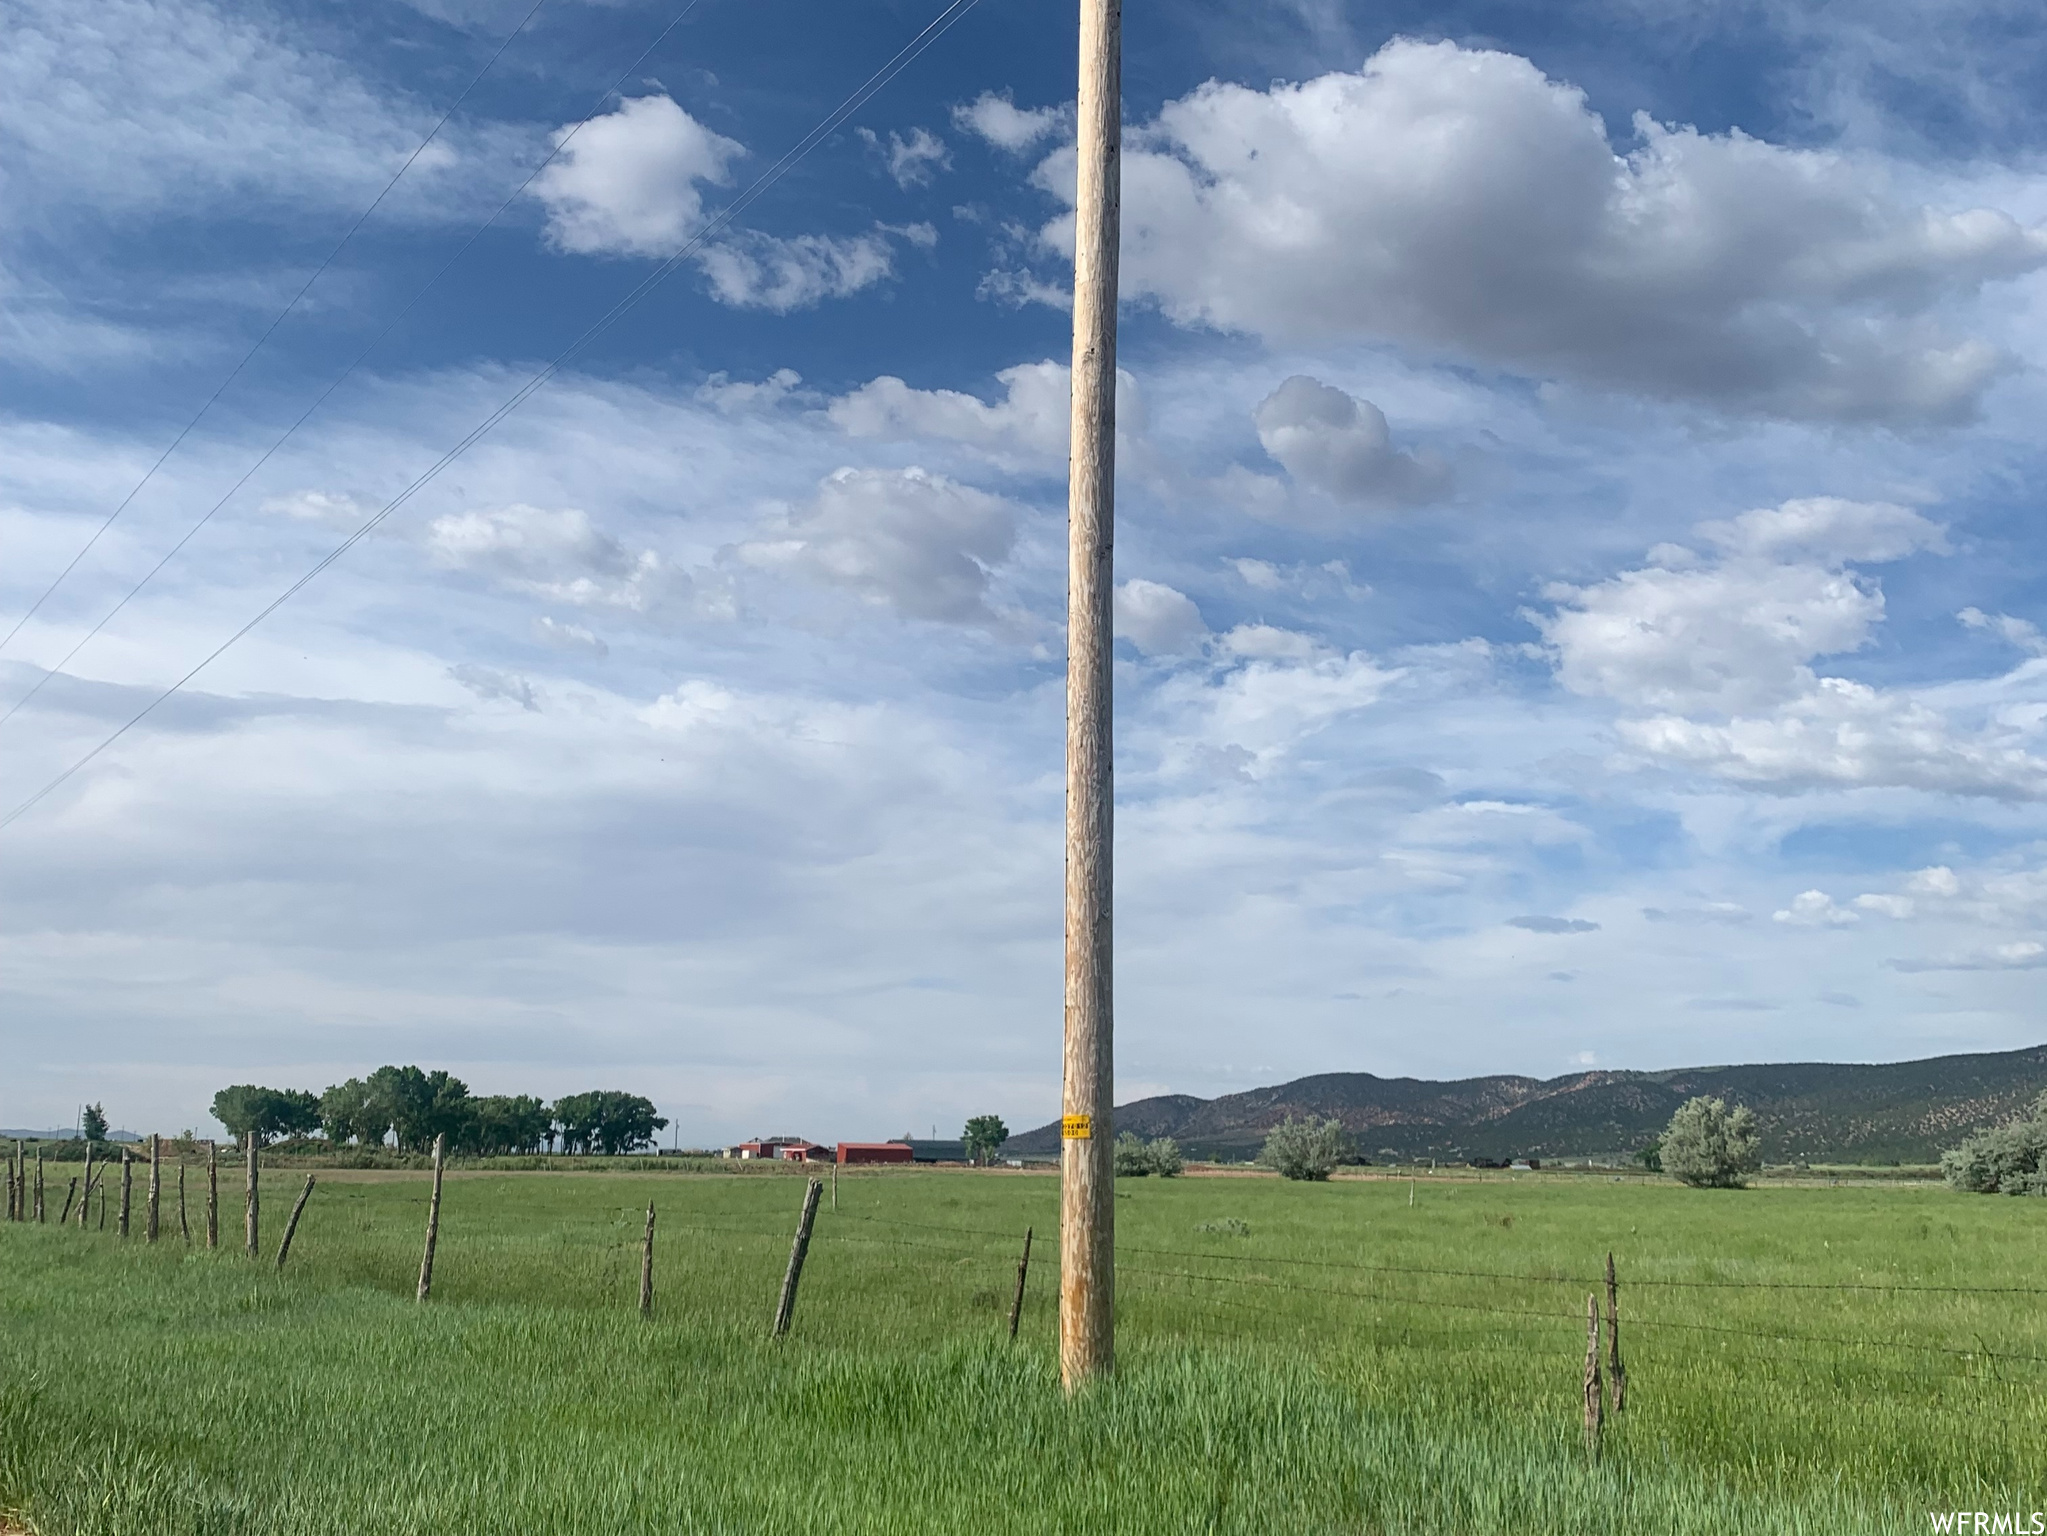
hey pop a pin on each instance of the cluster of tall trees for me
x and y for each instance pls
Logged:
(411, 1107)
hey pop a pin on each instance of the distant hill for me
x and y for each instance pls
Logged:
(1808, 1111)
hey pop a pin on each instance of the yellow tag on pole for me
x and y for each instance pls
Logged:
(1076, 1128)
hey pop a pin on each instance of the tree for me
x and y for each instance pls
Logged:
(419, 1105)
(93, 1121)
(266, 1113)
(1164, 1153)
(607, 1122)
(1651, 1156)
(502, 1124)
(984, 1137)
(2009, 1159)
(1304, 1149)
(1709, 1146)
(351, 1112)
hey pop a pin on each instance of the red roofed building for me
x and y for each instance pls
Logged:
(875, 1152)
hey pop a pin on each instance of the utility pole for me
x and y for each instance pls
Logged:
(1087, 1185)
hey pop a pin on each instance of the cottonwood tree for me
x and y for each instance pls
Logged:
(607, 1122)
(983, 1137)
(93, 1121)
(1709, 1146)
(266, 1113)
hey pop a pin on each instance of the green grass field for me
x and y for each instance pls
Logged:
(1300, 1377)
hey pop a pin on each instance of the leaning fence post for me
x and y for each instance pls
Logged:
(1594, 1399)
(127, 1185)
(155, 1187)
(292, 1225)
(647, 1266)
(786, 1308)
(1617, 1374)
(1023, 1268)
(252, 1200)
(69, 1195)
(433, 1225)
(212, 1194)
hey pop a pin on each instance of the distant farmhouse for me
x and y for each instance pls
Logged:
(798, 1149)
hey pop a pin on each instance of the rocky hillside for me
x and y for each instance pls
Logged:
(1809, 1111)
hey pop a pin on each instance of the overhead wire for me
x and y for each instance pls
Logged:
(321, 399)
(904, 57)
(270, 330)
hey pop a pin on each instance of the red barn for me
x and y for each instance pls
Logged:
(875, 1152)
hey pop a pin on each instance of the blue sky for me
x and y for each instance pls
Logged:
(1578, 576)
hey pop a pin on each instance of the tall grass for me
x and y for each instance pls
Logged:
(167, 1391)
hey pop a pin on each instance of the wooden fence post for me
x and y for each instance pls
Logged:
(155, 1187)
(184, 1229)
(87, 1186)
(1617, 1374)
(41, 1216)
(127, 1186)
(785, 1310)
(433, 1225)
(292, 1225)
(12, 1157)
(252, 1202)
(103, 1196)
(212, 1194)
(69, 1195)
(835, 1189)
(17, 1183)
(1595, 1400)
(1023, 1268)
(647, 1266)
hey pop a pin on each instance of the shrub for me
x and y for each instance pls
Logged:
(1229, 1226)
(1306, 1149)
(2010, 1159)
(1136, 1158)
(1709, 1146)
(1132, 1161)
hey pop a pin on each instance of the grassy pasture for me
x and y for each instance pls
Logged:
(1267, 1381)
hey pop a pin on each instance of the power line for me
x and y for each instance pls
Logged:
(933, 30)
(345, 374)
(269, 330)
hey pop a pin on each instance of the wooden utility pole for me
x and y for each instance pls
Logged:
(433, 1226)
(1087, 1186)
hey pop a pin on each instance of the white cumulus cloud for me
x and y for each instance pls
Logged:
(1339, 445)
(905, 539)
(1458, 200)
(629, 182)
(1159, 620)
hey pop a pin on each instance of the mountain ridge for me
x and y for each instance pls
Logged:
(1904, 1111)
